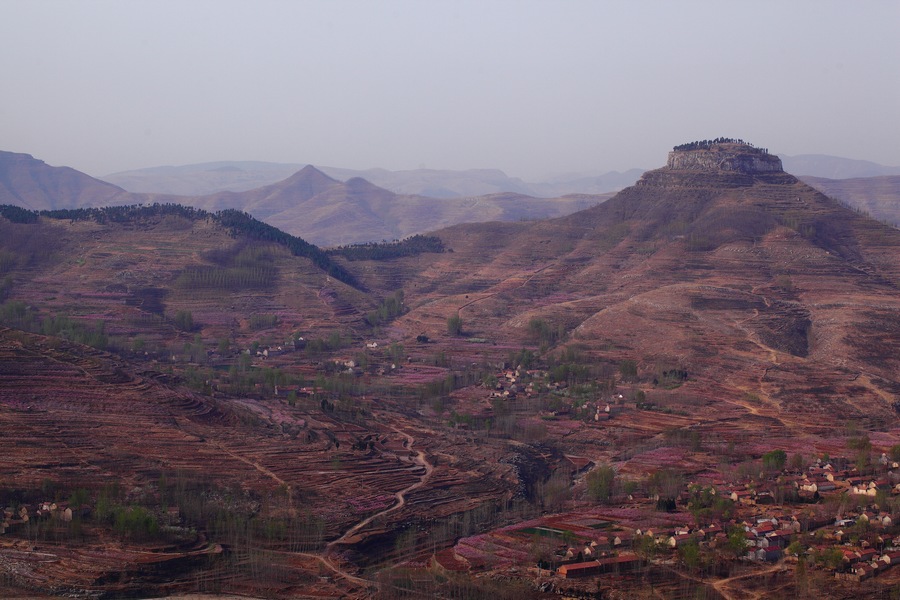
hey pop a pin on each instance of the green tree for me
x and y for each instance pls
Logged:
(600, 483)
(666, 483)
(795, 548)
(628, 369)
(774, 460)
(737, 541)
(689, 554)
(798, 462)
(184, 320)
(78, 498)
(861, 443)
(454, 325)
(645, 547)
(396, 352)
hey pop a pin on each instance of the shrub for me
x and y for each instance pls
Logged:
(184, 320)
(454, 325)
(628, 369)
(600, 483)
(263, 321)
(774, 460)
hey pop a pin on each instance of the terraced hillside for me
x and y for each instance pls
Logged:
(440, 422)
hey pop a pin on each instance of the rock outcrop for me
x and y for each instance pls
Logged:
(739, 157)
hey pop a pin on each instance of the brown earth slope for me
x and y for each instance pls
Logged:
(779, 301)
(75, 417)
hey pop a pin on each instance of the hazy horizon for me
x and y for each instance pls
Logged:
(531, 88)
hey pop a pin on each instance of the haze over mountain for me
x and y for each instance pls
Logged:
(877, 196)
(834, 167)
(329, 212)
(307, 203)
(207, 178)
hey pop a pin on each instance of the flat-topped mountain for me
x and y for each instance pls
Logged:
(723, 154)
(721, 264)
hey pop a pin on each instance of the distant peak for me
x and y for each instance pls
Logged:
(310, 172)
(19, 156)
(311, 169)
(723, 154)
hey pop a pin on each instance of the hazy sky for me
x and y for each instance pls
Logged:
(532, 88)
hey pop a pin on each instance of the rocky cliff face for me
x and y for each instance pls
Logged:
(742, 158)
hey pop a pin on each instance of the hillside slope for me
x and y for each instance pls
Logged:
(778, 300)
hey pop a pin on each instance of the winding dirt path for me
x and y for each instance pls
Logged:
(400, 495)
(325, 559)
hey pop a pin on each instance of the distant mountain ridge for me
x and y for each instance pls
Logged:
(878, 196)
(834, 167)
(208, 178)
(307, 203)
(319, 207)
(329, 212)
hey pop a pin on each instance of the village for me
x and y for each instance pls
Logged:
(832, 515)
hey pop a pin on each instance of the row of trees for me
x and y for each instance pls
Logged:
(707, 144)
(19, 315)
(411, 246)
(242, 223)
(388, 309)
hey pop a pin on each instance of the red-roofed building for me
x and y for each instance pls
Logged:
(615, 564)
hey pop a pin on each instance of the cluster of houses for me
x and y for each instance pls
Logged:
(818, 480)
(766, 539)
(861, 542)
(512, 382)
(864, 564)
(44, 510)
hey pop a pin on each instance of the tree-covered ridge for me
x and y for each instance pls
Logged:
(417, 244)
(707, 144)
(17, 214)
(243, 223)
(238, 223)
(125, 214)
